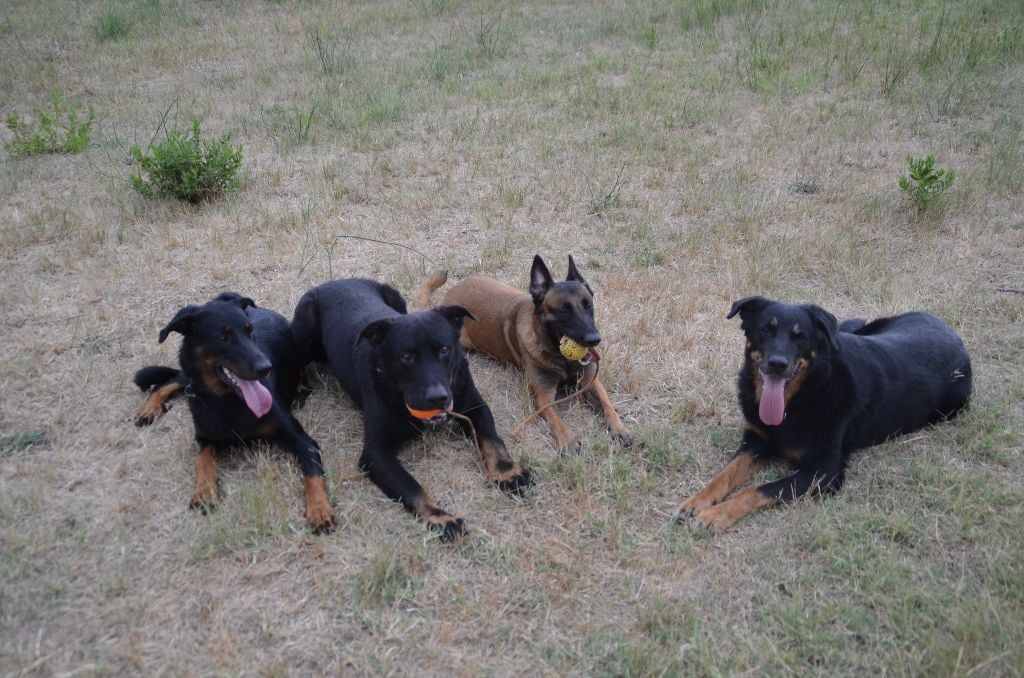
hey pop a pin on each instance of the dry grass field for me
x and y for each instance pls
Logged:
(687, 153)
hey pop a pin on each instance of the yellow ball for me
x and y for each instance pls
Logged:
(571, 350)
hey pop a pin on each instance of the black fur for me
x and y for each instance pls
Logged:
(386, 360)
(255, 344)
(863, 383)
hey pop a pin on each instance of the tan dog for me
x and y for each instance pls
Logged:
(526, 330)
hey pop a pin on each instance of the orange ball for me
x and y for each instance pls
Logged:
(423, 414)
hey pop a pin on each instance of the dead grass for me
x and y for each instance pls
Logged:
(687, 154)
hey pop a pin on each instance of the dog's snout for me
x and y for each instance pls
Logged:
(591, 339)
(776, 363)
(437, 395)
(262, 369)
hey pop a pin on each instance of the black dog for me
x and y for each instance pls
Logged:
(241, 371)
(391, 363)
(812, 392)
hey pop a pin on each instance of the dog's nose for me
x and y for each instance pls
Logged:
(437, 395)
(263, 369)
(777, 363)
(591, 339)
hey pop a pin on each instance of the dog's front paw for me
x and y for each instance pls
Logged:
(448, 526)
(715, 519)
(204, 499)
(149, 413)
(320, 518)
(691, 507)
(622, 436)
(569, 445)
(516, 480)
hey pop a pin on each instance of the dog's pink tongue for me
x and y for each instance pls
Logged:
(773, 400)
(256, 395)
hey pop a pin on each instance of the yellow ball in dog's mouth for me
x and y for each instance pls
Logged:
(571, 350)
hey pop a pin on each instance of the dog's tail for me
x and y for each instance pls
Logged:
(154, 375)
(431, 283)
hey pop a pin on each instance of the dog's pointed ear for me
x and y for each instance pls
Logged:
(574, 275)
(455, 315)
(376, 331)
(235, 298)
(825, 324)
(747, 306)
(181, 322)
(540, 279)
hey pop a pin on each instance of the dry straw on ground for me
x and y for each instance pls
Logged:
(687, 153)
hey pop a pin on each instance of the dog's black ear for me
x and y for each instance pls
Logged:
(376, 331)
(747, 306)
(180, 323)
(825, 323)
(540, 279)
(574, 275)
(455, 315)
(235, 298)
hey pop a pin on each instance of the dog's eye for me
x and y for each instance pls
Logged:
(443, 351)
(406, 357)
(767, 329)
(587, 305)
(566, 308)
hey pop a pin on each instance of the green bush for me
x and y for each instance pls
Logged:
(56, 132)
(925, 182)
(187, 167)
(113, 26)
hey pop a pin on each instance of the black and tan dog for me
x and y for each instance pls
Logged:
(812, 393)
(407, 373)
(241, 372)
(526, 330)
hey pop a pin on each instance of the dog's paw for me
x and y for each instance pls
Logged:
(691, 507)
(320, 518)
(571, 445)
(149, 413)
(516, 480)
(448, 526)
(622, 436)
(204, 501)
(715, 519)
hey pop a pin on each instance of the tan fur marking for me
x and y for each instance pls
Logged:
(737, 472)
(156, 404)
(492, 454)
(720, 518)
(794, 384)
(208, 374)
(319, 514)
(206, 477)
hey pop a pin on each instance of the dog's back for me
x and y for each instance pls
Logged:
(908, 371)
(499, 310)
(333, 314)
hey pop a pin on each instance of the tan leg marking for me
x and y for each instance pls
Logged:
(435, 517)
(720, 518)
(156, 404)
(319, 513)
(542, 397)
(206, 493)
(737, 472)
(619, 432)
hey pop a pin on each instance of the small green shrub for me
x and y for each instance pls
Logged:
(113, 26)
(56, 132)
(925, 182)
(187, 167)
